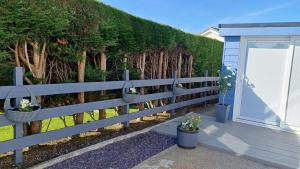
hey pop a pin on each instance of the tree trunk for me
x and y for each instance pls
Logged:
(102, 112)
(78, 118)
(35, 127)
(160, 65)
(165, 69)
(190, 66)
(38, 69)
(142, 61)
(159, 75)
(179, 65)
(190, 70)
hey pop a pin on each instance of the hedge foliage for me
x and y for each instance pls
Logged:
(93, 26)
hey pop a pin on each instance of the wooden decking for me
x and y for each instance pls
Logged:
(271, 147)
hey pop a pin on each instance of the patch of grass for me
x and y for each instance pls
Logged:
(6, 132)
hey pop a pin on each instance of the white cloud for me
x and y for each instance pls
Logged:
(270, 9)
(250, 15)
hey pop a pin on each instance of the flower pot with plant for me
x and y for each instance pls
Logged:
(25, 112)
(226, 82)
(130, 95)
(187, 132)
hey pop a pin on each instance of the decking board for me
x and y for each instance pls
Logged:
(271, 147)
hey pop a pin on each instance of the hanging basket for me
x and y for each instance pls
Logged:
(130, 97)
(176, 89)
(127, 96)
(17, 116)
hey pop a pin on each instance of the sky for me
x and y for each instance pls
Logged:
(194, 16)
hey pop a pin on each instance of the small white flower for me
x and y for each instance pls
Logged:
(225, 77)
(228, 84)
(25, 103)
(233, 73)
(132, 90)
(229, 76)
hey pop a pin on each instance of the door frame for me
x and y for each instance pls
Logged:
(285, 126)
(240, 75)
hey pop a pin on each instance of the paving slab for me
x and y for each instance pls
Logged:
(199, 158)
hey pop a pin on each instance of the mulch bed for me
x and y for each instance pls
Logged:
(50, 150)
(120, 155)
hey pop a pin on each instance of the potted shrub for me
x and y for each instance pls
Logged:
(226, 82)
(24, 113)
(130, 95)
(187, 132)
(178, 89)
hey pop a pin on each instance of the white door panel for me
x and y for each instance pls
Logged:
(263, 81)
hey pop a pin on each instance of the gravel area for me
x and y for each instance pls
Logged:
(120, 155)
(199, 158)
(47, 151)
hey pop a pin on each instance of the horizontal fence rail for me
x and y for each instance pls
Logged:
(66, 88)
(68, 131)
(20, 141)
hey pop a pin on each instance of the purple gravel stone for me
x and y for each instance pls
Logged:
(120, 155)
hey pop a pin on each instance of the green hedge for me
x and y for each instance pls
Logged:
(93, 26)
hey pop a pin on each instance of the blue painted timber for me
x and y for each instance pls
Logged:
(20, 141)
(233, 34)
(230, 57)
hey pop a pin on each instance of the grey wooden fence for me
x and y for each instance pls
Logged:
(20, 141)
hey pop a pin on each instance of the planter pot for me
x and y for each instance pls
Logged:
(178, 90)
(130, 97)
(13, 113)
(222, 112)
(21, 117)
(187, 139)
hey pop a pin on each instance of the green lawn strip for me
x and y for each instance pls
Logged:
(6, 132)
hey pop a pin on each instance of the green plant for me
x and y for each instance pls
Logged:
(132, 90)
(25, 106)
(227, 80)
(6, 71)
(91, 26)
(190, 123)
(94, 74)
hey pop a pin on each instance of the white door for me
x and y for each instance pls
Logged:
(293, 105)
(263, 80)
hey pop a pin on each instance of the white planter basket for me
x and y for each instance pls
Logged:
(130, 97)
(13, 113)
(176, 89)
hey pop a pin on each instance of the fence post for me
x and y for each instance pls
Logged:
(18, 127)
(174, 96)
(126, 107)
